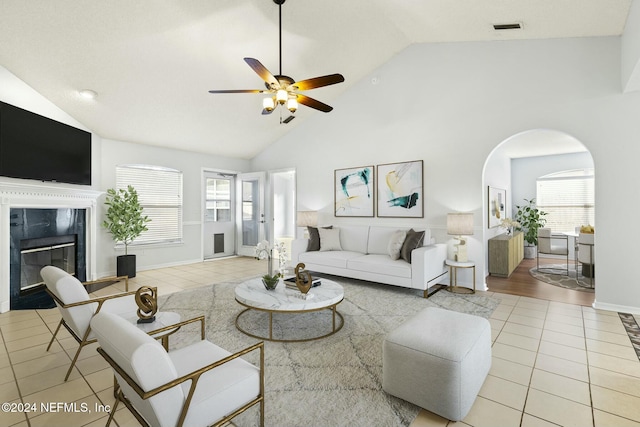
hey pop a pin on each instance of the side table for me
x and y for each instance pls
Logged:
(453, 276)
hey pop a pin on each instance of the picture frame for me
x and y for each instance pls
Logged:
(354, 192)
(496, 206)
(400, 190)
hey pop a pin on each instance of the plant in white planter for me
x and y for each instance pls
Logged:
(125, 221)
(531, 219)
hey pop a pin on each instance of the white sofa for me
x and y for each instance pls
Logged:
(365, 256)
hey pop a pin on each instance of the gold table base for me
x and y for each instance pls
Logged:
(336, 326)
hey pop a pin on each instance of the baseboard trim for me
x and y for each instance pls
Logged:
(615, 307)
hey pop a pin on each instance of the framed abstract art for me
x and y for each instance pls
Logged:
(496, 206)
(354, 191)
(400, 190)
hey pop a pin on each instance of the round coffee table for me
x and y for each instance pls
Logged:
(253, 295)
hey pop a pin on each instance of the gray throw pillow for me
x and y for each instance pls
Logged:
(413, 240)
(314, 238)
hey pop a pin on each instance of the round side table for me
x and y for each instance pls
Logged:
(453, 276)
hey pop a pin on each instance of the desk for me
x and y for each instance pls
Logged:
(453, 276)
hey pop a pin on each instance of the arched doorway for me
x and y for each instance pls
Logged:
(516, 164)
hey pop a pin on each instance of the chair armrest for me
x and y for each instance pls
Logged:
(181, 324)
(99, 300)
(193, 376)
(110, 279)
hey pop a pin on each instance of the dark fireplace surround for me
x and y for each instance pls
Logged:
(58, 236)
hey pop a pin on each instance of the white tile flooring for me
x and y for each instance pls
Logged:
(553, 363)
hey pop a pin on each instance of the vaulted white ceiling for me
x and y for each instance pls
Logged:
(152, 62)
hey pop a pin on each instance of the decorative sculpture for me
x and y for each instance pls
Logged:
(147, 300)
(303, 283)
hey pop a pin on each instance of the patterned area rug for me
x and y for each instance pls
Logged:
(334, 381)
(559, 278)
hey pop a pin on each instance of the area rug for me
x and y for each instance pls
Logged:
(334, 381)
(562, 280)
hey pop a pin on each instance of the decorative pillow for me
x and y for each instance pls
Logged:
(329, 239)
(413, 240)
(395, 243)
(314, 238)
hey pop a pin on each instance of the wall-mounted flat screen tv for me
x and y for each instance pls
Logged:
(36, 147)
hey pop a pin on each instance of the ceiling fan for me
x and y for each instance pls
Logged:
(283, 89)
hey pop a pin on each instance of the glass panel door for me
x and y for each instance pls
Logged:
(219, 237)
(251, 217)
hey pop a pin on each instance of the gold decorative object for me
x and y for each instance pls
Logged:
(303, 283)
(147, 300)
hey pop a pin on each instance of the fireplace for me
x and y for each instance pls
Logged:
(36, 253)
(31, 212)
(42, 237)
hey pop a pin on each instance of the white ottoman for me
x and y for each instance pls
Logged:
(438, 360)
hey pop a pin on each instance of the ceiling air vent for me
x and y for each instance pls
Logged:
(513, 26)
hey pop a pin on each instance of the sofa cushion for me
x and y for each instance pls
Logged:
(314, 238)
(329, 258)
(379, 238)
(329, 239)
(396, 242)
(354, 238)
(413, 240)
(380, 264)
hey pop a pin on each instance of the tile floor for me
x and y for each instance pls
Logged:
(553, 363)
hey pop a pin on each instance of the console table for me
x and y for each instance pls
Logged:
(505, 253)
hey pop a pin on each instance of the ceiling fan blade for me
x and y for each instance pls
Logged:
(262, 71)
(266, 112)
(315, 82)
(313, 103)
(238, 91)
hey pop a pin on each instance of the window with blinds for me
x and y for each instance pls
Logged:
(568, 199)
(160, 194)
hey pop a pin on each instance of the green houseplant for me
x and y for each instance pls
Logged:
(531, 219)
(125, 221)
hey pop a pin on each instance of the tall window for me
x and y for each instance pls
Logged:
(160, 194)
(568, 199)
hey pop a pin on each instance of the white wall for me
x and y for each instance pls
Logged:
(452, 104)
(191, 164)
(525, 172)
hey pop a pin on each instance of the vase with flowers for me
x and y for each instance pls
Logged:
(509, 224)
(265, 251)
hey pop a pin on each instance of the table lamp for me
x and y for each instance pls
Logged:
(460, 224)
(307, 219)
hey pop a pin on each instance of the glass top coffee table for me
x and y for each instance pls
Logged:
(253, 295)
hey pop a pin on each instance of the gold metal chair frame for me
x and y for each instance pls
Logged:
(331, 307)
(551, 270)
(84, 341)
(193, 377)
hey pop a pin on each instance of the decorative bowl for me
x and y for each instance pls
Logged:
(270, 283)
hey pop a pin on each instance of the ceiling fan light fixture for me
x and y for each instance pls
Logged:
(268, 104)
(292, 105)
(281, 96)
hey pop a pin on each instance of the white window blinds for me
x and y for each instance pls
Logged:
(160, 194)
(568, 198)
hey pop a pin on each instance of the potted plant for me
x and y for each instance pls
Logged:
(125, 222)
(530, 219)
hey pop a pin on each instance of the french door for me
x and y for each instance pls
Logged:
(251, 222)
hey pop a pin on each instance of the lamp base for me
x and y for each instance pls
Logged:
(461, 250)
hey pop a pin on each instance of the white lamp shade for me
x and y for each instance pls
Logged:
(292, 105)
(460, 224)
(281, 96)
(268, 104)
(307, 218)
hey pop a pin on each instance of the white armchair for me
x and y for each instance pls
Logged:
(77, 308)
(587, 255)
(197, 385)
(552, 244)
